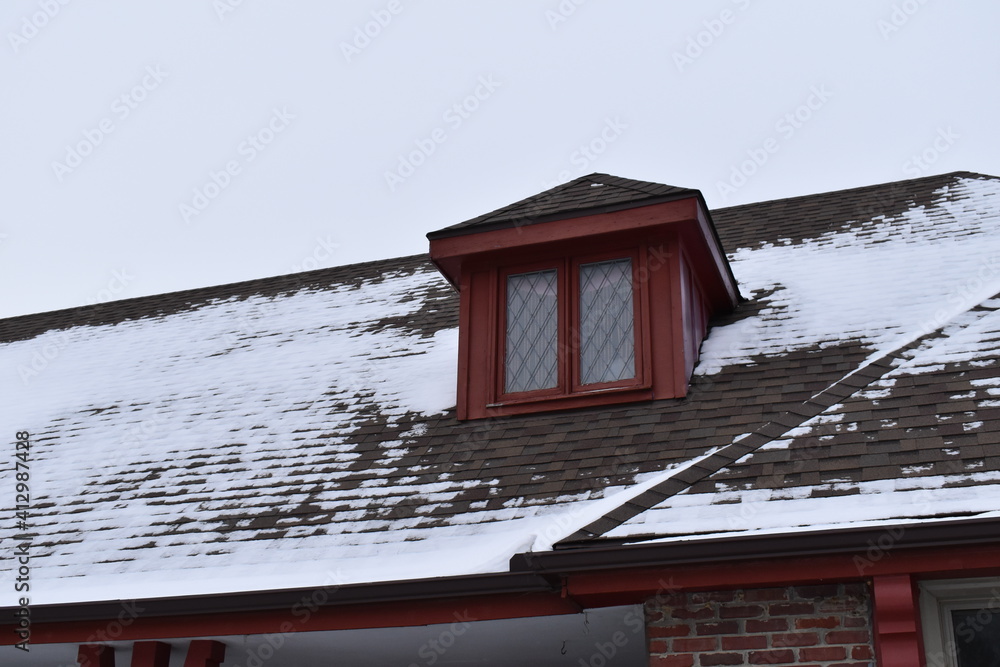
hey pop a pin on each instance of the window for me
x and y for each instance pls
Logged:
(569, 327)
(961, 622)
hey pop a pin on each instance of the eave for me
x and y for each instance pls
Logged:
(563, 581)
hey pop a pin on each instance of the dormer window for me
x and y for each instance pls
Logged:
(569, 327)
(583, 296)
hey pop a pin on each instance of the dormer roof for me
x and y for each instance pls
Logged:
(586, 195)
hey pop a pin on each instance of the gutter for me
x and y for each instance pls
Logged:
(544, 573)
(336, 595)
(605, 555)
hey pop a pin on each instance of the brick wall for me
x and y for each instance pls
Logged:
(819, 626)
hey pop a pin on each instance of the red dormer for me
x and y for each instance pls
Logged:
(595, 292)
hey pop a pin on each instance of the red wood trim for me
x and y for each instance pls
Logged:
(205, 653)
(95, 655)
(639, 218)
(464, 332)
(897, 621)
(150, 654)
(631, 586)
(308, 616)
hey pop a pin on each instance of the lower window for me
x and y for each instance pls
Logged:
(961, 622)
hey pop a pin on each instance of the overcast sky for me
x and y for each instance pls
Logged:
(149, 147)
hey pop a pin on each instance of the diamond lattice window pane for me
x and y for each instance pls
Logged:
(607, 340)
(532, 358)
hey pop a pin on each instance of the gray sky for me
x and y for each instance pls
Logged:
(155, 146)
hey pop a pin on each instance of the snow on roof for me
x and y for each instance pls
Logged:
(198, 438)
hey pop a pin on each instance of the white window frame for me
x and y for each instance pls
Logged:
(941, 597)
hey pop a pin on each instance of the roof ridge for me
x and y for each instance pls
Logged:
(952, 175)
(861, 377)
(299, 278)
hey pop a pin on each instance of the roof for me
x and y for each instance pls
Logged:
(200, 435)
(586, 195)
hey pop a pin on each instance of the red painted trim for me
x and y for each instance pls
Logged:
(150, 654)
(95, 655)
(898, 641)
(309, 616)
(205, 653)
(445, 251)
(631, 586)
(661, 362)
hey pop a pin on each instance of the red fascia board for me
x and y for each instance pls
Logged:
(308, 616)
(688, 216)
(633, 586)
(447, 253)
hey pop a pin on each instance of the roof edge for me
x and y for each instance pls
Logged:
(616, 554)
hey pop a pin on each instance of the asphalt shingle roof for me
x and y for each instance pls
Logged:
(201, 434)
(585, 195)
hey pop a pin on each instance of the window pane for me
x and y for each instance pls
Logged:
(532, 336)
(977, 637)
(607, 340)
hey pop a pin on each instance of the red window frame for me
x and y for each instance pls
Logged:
(568, 328)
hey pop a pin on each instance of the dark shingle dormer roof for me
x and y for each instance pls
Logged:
(594, 193)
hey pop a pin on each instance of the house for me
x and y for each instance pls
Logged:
(601, 426)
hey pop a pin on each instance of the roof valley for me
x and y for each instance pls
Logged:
(776, 429)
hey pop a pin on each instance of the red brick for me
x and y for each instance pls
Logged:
(765, 594)
(699, 644)
(857, 590)
(700, 614)
(791, 608)
(782, 657)
(723, 628)
(720, 659)
(822, 622)
(818, 591)
(714, 596)
(654, 615)
(659, 646)
(842, 605)
(854, 622)
(847, 637)
(861, 653)
(668, 631)
(772, 625)
(743, 643)
(672, 661)
(823, 653)
(743, 611)
(795, 639)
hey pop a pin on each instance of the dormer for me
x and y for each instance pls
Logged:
(598, 291)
